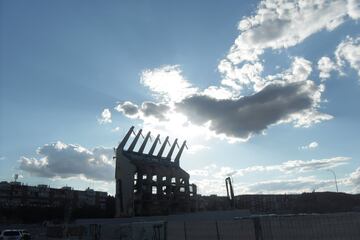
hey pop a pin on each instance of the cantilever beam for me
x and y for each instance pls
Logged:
(152, 149)
(133, 144)
(163, 147)
(141, 150)
(177, 158)
(126, 138)
(168, 157)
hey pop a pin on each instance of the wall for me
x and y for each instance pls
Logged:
(267, 227)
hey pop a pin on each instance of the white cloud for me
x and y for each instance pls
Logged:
(105, 116)
(281, 186)
(308, 118)
(310, 146)
(198, 173)
(326, 66)
(348, 51)
(311, 165)
(270, 94)
(176, 125)
(218, 92)
(354, 180)
(208, 186)
(247, 76)
(193, 149)
(353, 7)
(297, 185)
(288, 167)
(210, 179)
(299, 70)
(167, 83)
(277, 24)
(116, 129)
(61, 160)
(313, 145)
(280, 24)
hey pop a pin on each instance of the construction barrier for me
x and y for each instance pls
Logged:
(277, 227)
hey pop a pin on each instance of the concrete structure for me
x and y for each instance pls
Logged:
(16, 194)
(149, 184)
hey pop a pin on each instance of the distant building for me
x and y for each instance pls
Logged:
(266, 203)
(15, 194)
(312, 202)
(213, 203)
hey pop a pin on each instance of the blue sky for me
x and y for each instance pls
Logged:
(266, 92)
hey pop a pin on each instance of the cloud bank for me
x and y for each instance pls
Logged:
(61, 160)
(219, 111)
(210, 179)
(280, 24)
(246, 102)
(288, 167)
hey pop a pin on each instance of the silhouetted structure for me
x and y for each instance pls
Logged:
(148, 184)
(30, 204)
(230, 191)
(16, 194)
(314, 202)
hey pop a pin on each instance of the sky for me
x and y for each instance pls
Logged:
(266, 92)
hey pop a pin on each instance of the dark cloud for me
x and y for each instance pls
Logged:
(156, 110)
(243, 117)
(128, 108)
(147, 109)
(70, 160)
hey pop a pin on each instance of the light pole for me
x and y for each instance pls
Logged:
(337, 190)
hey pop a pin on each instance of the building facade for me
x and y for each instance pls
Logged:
(16, 194)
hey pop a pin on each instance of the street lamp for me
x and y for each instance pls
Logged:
(337, 190)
